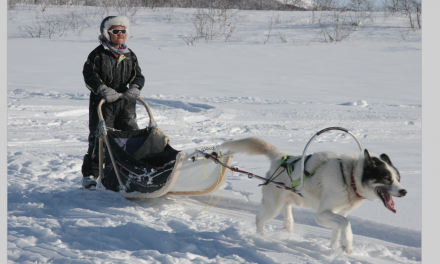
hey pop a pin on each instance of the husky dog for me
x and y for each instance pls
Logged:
(337, 187)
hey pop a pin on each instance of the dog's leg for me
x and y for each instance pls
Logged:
(336, 234)
(288, 218)
(340, 225)
(348, 238)
(289, 199)
(271, 206)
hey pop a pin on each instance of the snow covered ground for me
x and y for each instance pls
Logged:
(281, 92)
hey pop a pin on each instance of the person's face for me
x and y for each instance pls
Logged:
(119, 38)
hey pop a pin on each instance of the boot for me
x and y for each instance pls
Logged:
(89, 167)
(88, 181)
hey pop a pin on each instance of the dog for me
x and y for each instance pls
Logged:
(338, 186)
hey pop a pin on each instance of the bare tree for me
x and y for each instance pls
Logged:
(12, 4)
(271, 24)
(273, 21)
(127, 8)
(56, 24)
(361, 11)
(190, 38)
(211, 23)
(412, 9)
(77, 22)
(335, 20)
(282, 37)
(335, 28)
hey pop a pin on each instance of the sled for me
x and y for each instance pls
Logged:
(142, 163)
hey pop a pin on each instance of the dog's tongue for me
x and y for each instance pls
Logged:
(389, 203)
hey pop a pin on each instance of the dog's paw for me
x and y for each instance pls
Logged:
(347, 243)
(347, 249)
(288, 229)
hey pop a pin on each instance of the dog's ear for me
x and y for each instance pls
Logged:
(368, 162)
(385, 158)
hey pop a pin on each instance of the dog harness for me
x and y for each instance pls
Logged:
(288, 163)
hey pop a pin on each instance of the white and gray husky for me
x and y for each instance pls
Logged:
(338, 187)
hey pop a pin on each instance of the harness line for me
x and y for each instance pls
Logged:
(250, 175)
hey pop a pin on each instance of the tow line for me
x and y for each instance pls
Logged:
(250, 175)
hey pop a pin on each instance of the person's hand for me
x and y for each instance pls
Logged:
(109, 94)
(132, 93)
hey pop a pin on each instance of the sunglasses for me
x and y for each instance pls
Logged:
(116, 31)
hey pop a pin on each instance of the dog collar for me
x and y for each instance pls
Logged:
(353, 185)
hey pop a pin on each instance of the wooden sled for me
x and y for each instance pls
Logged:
(191, 175)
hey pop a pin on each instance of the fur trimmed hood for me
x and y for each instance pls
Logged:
(110, 21)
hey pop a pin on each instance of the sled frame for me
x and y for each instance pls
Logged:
(103, 140)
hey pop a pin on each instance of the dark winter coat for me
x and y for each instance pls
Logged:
(102, 67)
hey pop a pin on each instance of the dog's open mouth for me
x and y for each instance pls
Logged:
(387, 199)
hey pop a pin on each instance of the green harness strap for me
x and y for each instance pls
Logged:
(290, 167)
(310, 174)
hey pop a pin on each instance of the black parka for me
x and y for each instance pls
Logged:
(102, 67)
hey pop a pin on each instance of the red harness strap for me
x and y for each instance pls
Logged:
(353, 185)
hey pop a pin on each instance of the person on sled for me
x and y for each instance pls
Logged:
(111, 69)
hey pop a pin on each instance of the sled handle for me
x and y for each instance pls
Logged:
(104, 132)
(150, 114)
(310, 141)
(152, 123)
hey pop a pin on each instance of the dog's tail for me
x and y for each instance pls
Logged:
(254, 146)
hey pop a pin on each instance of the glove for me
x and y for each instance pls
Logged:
(132, 93)
(109, 94)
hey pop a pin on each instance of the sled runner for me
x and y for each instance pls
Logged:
(142, 163)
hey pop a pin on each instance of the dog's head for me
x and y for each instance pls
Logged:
(381, 180)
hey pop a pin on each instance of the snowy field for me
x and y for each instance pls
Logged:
(370, 83)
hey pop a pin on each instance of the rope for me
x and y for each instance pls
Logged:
(212, 195)
(250, 175)
(271, 178)
(204, 170)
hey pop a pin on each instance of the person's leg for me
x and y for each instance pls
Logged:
(90, 163)
(126, 116)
